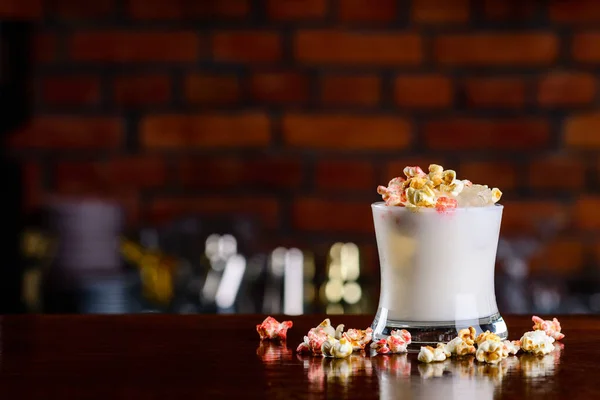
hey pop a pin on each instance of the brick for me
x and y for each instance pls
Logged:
(187, 9)
(323, 215)
(368, 11)
(279, 87)
(440, 11)
(21, 9)
(585, 47)
(587, 213)
(350, 90)
(212, 89)
(512, 10)
(334, 175)
(559, 256)
(580, 131)
(532, 217)
(500, 174)
(142, 89)
(341, 47)
(246, 47)
(266, 209)
(173, 131)
(69, 133)
(396, 168)
(557, 173)
(139, 46)
(80, 10)
(495, 92)
(74, 90)
(486, 134)
(346, 132)
(566, 89)
(121, 172)
(423, 91)
(292, 10)
(580, 11)
(502, 49)
(45, 47)
(230, 172)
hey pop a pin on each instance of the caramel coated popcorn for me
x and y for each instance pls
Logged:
(439, 189)
(487, 335)
(459, 347)
(490, 351)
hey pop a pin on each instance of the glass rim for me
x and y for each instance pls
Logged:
(382, 205)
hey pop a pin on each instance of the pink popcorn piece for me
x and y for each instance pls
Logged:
(358, 338)
(397, 342)
(271, 329)
(445, 204)
(381, 347)
(552, 328)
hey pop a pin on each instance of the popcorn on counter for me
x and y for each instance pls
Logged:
(552, 328)
(325, 340)
(271, 329)
(490, 351)
(397, 342)
(335, 348)
(537, 342)
(428, 354)
(324, 336)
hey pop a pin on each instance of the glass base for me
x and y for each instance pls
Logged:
(427, 333)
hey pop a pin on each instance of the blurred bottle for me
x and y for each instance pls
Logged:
(86, 275)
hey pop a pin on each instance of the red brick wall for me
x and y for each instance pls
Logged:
(294, 110)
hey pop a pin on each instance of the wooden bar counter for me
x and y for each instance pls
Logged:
(154, 356)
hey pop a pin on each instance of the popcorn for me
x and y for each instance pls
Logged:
(459, 347)
(271, 329)
(428, 354)
(397, 342)
(467, 335)
(490, 351)
(317, 336)
(335, 348)
(421, 197)
(552, 328)
(439, 189)
(358, 338)
(487, 335)
(445, 204)
(496, 194)
(412, 172)
(511, 347)
(381, 347)
(537, 342)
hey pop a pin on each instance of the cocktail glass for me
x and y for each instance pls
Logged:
(437, 271)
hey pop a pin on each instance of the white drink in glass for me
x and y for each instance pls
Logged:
(437, 268)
